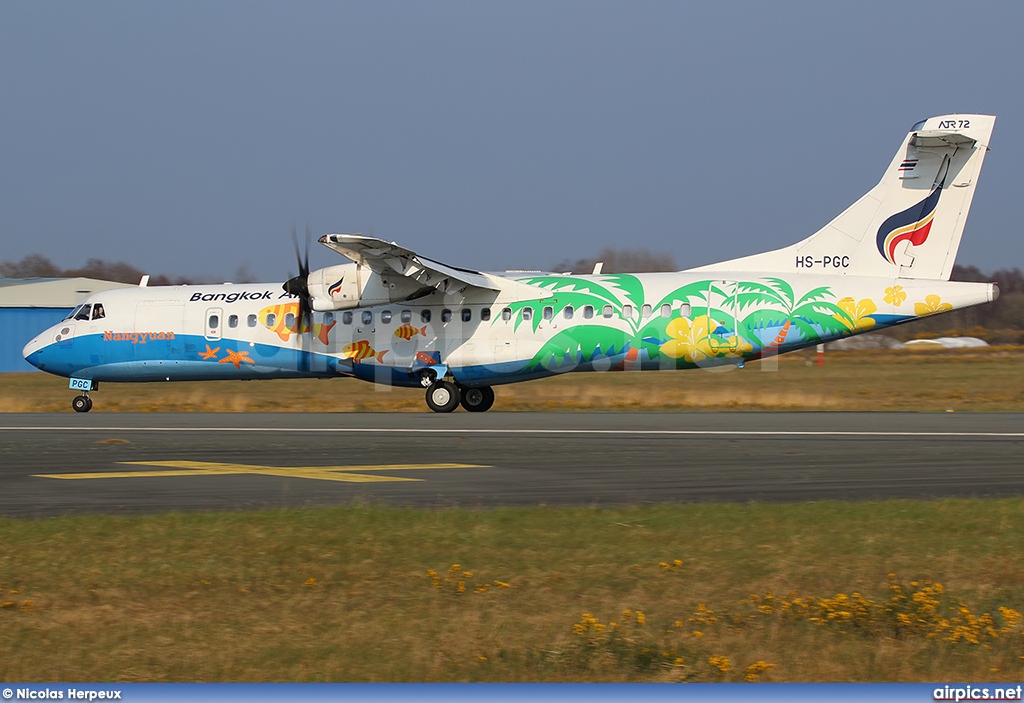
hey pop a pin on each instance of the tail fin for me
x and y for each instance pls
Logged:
(907, 226)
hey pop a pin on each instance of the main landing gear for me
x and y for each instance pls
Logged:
(445, 396)
(82, 403)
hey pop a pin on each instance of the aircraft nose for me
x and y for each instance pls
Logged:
(33, 351)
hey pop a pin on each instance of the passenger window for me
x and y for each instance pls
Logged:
(567, 313)
(367, 317)
(233, 321)
(645, 311)
(506, 314)
(289, 320)
(607, 311)
(346, 317)
(588, 311)
(83, 314)
(446, 315)
(549, 312)
(385, 316)
(627, 311)
(328, 318)
(251, 320)
(684, 309)
(666, 310)
(97, 311)
(467, 314)
(407, 316)
(271, 319)
(214, 322)
(425, 316)
(527, 313)
(485, 314)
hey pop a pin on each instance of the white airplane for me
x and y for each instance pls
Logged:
(395, 317)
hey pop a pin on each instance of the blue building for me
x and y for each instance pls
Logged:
(30, 305)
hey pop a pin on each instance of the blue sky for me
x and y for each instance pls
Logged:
(186, 138)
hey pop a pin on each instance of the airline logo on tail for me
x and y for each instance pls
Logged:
(913, 225)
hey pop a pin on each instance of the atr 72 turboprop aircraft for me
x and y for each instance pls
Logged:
(395, 317)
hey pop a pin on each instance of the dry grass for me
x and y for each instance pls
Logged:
(985, 379)
(344, 594)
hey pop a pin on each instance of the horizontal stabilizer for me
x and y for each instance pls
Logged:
(935, 139)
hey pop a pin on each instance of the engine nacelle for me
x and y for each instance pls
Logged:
(352, 286)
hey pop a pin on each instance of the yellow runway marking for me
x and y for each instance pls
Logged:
(317, 473)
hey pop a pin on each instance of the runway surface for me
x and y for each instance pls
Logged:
(53, 464)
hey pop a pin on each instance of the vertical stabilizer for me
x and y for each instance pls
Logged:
(907, 226)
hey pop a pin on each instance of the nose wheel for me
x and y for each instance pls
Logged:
(82, 403)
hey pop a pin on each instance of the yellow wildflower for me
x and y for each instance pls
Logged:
(756, 669)
(721, 663)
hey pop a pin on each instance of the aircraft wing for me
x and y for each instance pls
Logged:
(387, 258)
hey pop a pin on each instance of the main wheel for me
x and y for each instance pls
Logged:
(82, 404)
(442, 396)
(478, 400)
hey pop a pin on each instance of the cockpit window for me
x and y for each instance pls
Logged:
(97, 311)
(73, 314)
(83, 312)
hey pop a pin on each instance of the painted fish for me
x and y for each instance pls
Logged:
(358, 351)
(407, 331)
(284, 331)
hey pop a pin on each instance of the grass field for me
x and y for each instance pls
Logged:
(961, 380)
(890, 591)
(887, 591)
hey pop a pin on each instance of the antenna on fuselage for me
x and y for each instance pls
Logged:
(597, 268)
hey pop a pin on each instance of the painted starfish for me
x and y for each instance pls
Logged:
(237, 358)
(209, 353)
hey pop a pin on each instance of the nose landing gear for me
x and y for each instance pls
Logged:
(82, 403)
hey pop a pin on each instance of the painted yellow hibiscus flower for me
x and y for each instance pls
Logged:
(931, 305)
(736, 347)
(689, 339)
(895, 295)
(860, 313)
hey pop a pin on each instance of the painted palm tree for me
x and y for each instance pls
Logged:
(777, 311)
